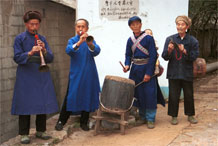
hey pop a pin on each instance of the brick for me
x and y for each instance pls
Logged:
(10, 52)
(6, 29)
(21, 29)
(7, 117)
(9, 129)
(14, 30)
(1, 42)
(6, 112)
(7, 84)
(8, 73)
(12, 73)
(7, 62)
(3, 52)
(1, 29)
(1, 19)
(65, 66)
(15, 21)
(63, 82)
(63, 73)
(55, 49)
(53, 25)
(0, 65)
(8, 135)
(4, 74)
(18, 9)
(52, 40)
(7, 95)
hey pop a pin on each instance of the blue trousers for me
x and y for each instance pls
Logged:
(148, 114)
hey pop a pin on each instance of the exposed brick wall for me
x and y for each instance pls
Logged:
(57, 26)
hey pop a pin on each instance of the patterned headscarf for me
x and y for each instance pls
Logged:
(184, 18)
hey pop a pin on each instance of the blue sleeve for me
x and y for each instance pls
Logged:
(49, 55)
(20, 56)
(97, 49)
(165, 55)
(129, 54)
(193, 51)
(152, 57)
(69, 49)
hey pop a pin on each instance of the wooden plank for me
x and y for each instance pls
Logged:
(110, 119)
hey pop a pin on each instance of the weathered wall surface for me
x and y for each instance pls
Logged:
(112, 35)
(57, 26)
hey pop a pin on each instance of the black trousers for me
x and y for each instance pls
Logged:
(64, 114)
(175, 86)
(24, 124)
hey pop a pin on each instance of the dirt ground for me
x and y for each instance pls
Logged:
(205, 133)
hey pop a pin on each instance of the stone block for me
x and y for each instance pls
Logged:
(10, 51)
(0, 64)
(15, 20)
(4, 74)
(6, 29)
(10, 131)
(63, 73)
(8, 73)
(3, 52)
(7, 84)
(52, 40)
(14, 30)
(6, 95)
(18, 9)
(1, 19)
(1, 30)
(6, 107)
(53, 25)
(12, 73)
(7, 118)
(7, 62)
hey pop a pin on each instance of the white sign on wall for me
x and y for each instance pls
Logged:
(118, 9)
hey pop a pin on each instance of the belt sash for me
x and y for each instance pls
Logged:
(140, 61)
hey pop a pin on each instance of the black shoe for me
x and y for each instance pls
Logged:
(59, 126)
(84, 127)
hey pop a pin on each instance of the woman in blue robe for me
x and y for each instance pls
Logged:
(34, 91)
(83, 88)
(141, 51)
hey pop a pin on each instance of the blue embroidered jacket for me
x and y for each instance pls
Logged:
(183, 68)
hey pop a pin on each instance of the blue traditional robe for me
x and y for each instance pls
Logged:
(34, 91)
(146, 93)
(84, 87)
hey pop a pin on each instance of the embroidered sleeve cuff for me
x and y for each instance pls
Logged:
(75, 47)
(92, 49)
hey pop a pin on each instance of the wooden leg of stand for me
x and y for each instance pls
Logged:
(97, 125)
(122, 127)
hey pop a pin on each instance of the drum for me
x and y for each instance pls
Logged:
(199, 67)
(117, 93)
